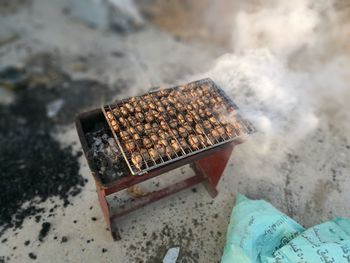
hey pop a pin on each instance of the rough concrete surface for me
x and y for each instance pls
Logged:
(309, 182)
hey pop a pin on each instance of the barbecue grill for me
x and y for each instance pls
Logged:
(195, 124)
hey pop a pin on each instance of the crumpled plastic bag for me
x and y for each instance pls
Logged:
(259, 233)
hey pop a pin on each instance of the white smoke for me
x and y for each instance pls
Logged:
(285, 72)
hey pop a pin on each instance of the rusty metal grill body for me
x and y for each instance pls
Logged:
(200, 101)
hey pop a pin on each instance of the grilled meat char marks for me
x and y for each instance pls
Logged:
(170, 123)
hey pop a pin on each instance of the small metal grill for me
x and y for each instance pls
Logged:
(167, 125)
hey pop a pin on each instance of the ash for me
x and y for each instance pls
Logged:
(106, 156)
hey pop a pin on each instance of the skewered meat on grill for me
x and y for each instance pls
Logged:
(193, 141)
(153, 153)
(139, 116)
(124, 135)
(149, 117)
(164, 135)
(109, 115)
(117, 112)
(198, 129)
(180, 118)
(136, 159)
(207, 125)
(173, 123)
(132, 120)
(164, 142)
(213, 120)
(175, 145)
(169, 151)
(163, 125)
(187, 127)
(215, 134)
(183, 143)
(160, 149)
(172, 99)
(124, 111)
(130, 145)
(147, 142)
(182, 132)
(123, 121)
(136, 136)
(154, 138)
(139, 127)
(152, 106)
(129, 107)
(145, 154)
(189, 118)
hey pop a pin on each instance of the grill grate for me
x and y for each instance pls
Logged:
(166, 125)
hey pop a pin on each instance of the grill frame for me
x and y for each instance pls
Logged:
(248, 127)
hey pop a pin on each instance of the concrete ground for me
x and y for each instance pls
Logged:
(307, 181)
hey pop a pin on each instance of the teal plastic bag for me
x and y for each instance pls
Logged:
(259, 233)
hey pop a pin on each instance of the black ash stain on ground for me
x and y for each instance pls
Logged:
(34, 166)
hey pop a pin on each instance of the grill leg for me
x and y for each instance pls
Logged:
(106, 213)
(212, 168)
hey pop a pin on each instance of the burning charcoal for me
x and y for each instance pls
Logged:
(213, 120)
(124, 135)
(193, 141)
(175, 145)
(207, 125)
(145, 154)
(130, 146)
(147, 142)
(136, 159)
(154, 137)
(173, 124)
(182, 132)
(129, 107)
(189, 118)
(180, 118)
(198, 129)
(164, 125)
(139, 116)
(153, 153)
(124, 111)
